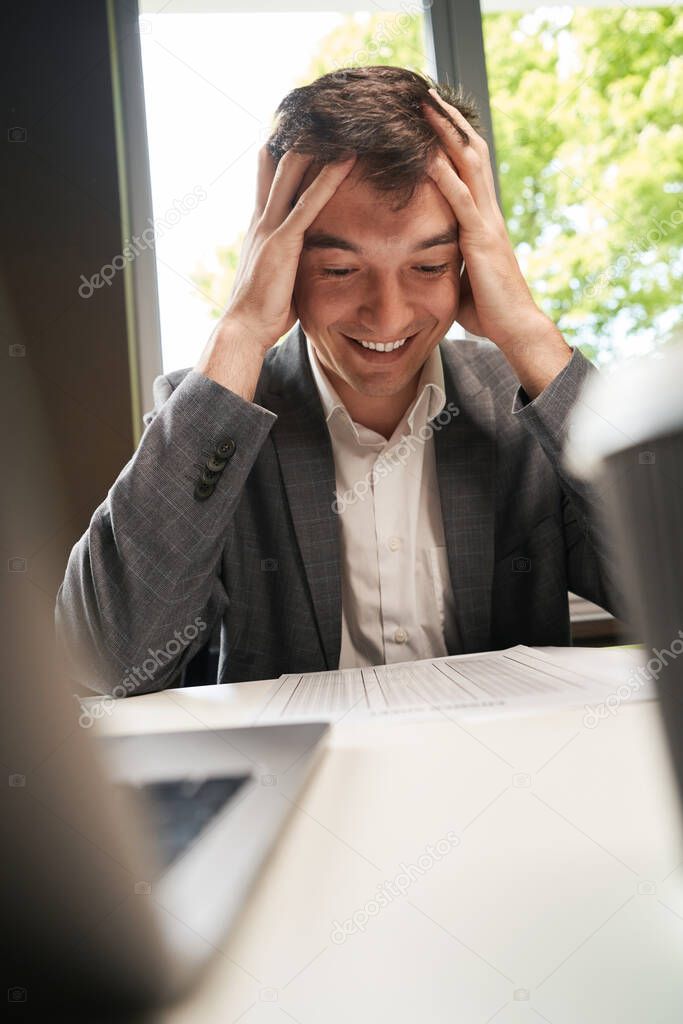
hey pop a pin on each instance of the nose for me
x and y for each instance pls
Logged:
(386, 309)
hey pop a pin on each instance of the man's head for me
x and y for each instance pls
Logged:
(366, 271)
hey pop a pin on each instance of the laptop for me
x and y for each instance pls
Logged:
(127, 859)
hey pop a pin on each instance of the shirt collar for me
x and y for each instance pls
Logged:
(430, 397)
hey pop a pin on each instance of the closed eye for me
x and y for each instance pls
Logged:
(344, 272)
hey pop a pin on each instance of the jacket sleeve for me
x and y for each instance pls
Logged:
(142, 589)
(591, 557)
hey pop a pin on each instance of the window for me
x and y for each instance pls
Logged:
(589, 151)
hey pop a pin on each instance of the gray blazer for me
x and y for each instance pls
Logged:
(225, 514)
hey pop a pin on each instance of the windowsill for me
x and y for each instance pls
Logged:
(592, 626)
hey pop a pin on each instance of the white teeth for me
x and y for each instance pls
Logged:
(388, 347)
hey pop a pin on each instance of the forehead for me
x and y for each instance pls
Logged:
(361, 214)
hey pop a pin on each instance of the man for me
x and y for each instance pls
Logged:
(364, 492)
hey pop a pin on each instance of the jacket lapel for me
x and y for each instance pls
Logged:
(466, 466)
(304, 452)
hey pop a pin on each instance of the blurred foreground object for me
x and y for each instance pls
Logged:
(626, 437)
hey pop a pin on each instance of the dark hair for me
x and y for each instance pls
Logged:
(374, 112)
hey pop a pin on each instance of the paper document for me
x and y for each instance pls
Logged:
(519, 677)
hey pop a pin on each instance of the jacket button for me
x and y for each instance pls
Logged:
(215, 464)
(202, 491)
(207, 477)
(225, 449)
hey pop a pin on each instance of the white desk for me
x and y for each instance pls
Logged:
(562, 900)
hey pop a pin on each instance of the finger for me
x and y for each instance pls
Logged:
(286, 180)
(471, 159)
(475, 139)
(264, 177)
(318, 193)
(456, 192)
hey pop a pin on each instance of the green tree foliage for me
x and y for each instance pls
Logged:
(589, 152)
(590, 161)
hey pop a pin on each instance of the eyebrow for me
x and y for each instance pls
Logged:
(323, 240)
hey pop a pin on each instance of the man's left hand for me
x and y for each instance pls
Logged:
(495, 301)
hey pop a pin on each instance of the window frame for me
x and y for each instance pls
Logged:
(455, 44)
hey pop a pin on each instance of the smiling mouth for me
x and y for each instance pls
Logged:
(389, 346)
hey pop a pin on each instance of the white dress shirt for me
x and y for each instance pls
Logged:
(397, 599)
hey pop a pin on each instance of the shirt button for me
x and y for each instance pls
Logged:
(394, 543)
(400, 636)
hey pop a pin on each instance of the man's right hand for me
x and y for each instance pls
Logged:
(261, 307)
(262, 293)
